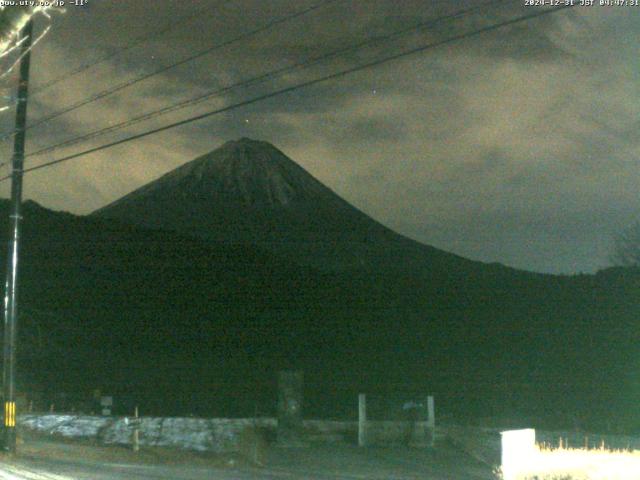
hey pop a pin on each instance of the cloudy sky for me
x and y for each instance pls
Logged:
(517, 146)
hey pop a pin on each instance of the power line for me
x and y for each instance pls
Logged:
(135, 43)
(299, 86)
(260, 78)
(110, 91)
(292, 88)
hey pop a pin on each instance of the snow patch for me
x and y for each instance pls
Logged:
(200, 434)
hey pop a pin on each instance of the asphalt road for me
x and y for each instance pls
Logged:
(316, 463)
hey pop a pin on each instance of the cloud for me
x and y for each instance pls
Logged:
(517, 146)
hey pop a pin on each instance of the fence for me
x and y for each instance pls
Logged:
(330, 411)
(506, 405)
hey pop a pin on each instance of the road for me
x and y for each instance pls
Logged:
(315, 463)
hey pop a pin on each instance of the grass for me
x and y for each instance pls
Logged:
(579, 464)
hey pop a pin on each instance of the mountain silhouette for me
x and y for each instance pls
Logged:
(249, 191)
(240, 263)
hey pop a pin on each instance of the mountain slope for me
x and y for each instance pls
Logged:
(249, 191)
(215, 298)
(165, 320)
(109, 305)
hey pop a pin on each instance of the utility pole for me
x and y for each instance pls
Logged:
(11, 287)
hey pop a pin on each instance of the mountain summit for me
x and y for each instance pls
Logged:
(246, 172)
(249, 191)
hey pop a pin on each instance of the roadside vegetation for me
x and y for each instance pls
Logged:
(564, 463)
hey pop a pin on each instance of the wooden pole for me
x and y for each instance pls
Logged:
(136, 432)
(431, 419)
(11, 286)
(362, 420)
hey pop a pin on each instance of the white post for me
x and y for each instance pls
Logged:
(518, 453)
(431, 420)
(362, 420)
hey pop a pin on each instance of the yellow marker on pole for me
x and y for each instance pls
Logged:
(9, 414)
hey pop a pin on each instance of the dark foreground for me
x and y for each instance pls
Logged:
(47, 460)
